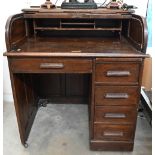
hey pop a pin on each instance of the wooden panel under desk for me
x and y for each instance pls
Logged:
(50, 65)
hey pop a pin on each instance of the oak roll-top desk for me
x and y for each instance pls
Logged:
(93, 57)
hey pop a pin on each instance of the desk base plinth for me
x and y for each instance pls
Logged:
(97, 145)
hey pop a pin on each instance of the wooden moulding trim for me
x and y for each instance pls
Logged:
(41, 54)
(59, 10)
(75, 15)
(145, 34)
(70, 29)
(100, 145)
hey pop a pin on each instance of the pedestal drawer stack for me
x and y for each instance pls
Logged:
(117, 92)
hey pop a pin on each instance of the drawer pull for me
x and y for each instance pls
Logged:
(116, 96)
(118, 73)
(52, 65)
(108, 133)
(114, 115)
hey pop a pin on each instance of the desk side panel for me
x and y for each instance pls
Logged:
(25, 102)
(136, 32)
(15, 31)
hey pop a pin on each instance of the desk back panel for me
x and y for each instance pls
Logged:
(63, 88)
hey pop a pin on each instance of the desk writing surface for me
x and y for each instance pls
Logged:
(88, 47)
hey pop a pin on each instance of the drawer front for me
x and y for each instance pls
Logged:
(116, 95)
(53, 65)
(117, 73)
(115, 114)
(113, 132)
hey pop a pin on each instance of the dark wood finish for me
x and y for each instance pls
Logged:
(40, 65)
(82, 46)
(83, 87)
(130, 92)
(113, 132)
(74, 54)
(111, 145)
(92, 103)
(77, 47)
(71, 29)
(92, 57)
(15, 31)
(59, 10)
(115, 115)
(63, 88)
(137, 32)
(80, 13)
(26, 103)
(117, 72)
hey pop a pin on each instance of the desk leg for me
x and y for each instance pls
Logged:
(25, 102)
(92, 101)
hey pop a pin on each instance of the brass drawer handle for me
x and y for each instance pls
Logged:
(115, 133)
(51, 65)
(115, 115)
(116, 96)
(117, 73)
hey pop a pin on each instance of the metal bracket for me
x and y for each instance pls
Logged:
(43, 103)
(26, 145)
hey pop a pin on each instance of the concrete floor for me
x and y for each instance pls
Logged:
(63, 130)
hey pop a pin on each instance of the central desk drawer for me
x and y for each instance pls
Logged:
(50, 65)
(113, 132)
(116, 95)
(115, 114)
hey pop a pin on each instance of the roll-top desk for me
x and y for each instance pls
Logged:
(92, 57)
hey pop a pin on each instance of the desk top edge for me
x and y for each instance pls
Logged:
(59, 10)
(86, 55)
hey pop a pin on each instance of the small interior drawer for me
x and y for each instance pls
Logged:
(117, 73)
(50, 65)
(116, 95)
(115, 114)
(113, 132)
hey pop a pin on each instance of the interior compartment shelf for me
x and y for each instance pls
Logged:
(59, 28)
(77, 23)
